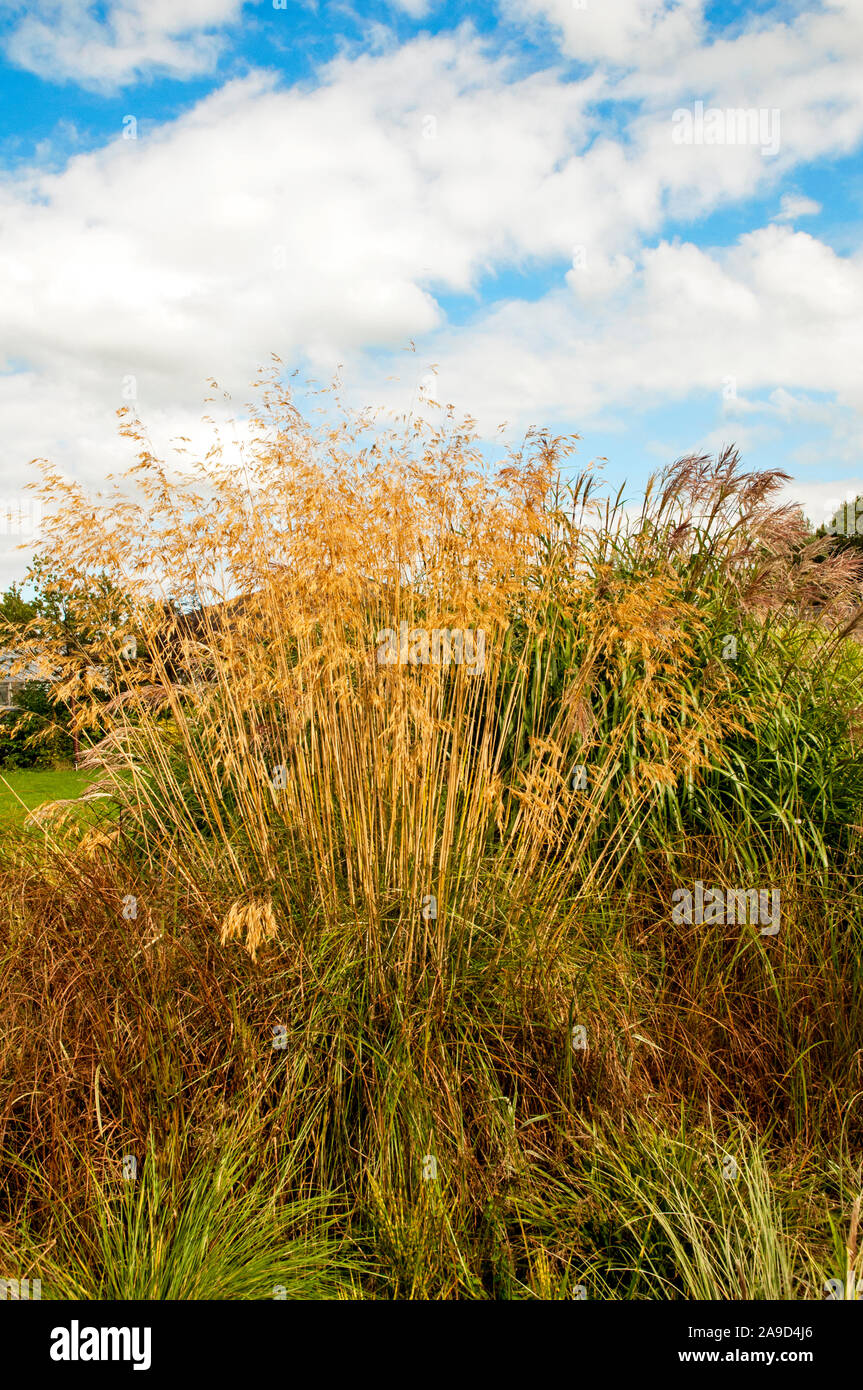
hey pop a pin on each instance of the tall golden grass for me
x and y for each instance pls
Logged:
(310, 765)
(428, 873)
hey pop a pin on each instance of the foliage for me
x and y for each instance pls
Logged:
(34, 732)
(406, 926)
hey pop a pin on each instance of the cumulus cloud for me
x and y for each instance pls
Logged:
(104, 47)
(778, 307)
(619, 31)
(330, 222)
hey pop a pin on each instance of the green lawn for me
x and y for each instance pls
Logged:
(32, 786)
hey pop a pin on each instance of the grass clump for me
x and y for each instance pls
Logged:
(378, 876)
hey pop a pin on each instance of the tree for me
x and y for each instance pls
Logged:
(35, 731)
(15, 610)
(73, 626)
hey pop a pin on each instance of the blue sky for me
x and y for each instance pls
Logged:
(521, 189)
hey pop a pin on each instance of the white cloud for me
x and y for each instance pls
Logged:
(287, 220)
(793, 206)
(776, 310)
(417, 9)
(323, 222)
(618, 31)
(67, 41)
(808, 69)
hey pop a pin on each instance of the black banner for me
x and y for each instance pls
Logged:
(86, 1340)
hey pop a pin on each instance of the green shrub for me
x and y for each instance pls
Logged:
(34, 733)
